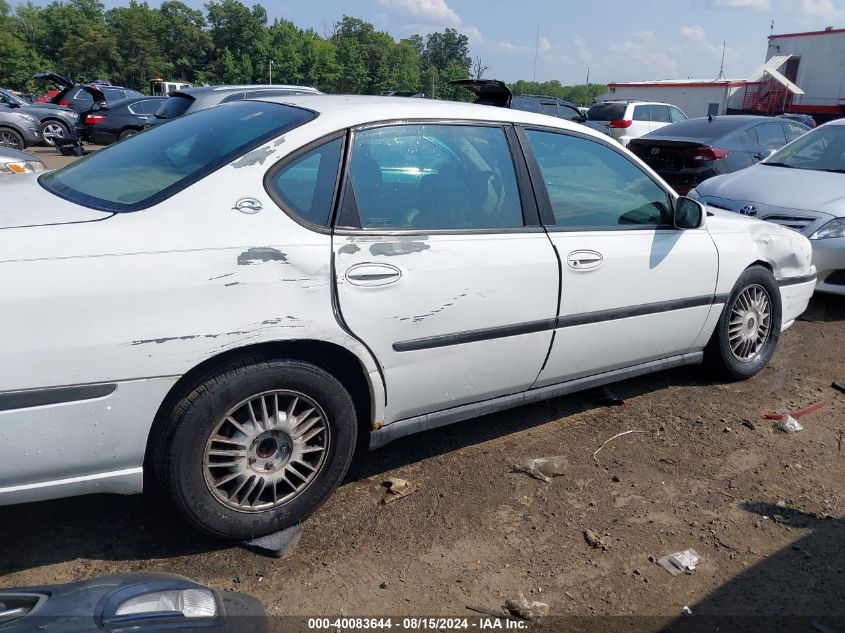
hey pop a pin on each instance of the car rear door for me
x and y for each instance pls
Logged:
(441, 265)
(634, 289)
(764, 139)
(660, 116)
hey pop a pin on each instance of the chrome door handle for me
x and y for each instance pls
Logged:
(367, 274)
(584, 260)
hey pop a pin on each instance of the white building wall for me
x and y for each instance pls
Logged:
(821, 72)
(693, 100)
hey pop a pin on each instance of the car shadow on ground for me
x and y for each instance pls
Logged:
(800, 588)
(141, 527)
(824, 308)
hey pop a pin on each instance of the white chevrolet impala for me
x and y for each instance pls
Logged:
(227, 304)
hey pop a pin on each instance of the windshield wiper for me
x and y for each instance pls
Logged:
(835, 171)
(778, 165)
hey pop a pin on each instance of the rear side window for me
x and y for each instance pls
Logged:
(306, 186)
(676, 115)
(168, 158)
(82, 95)
(525, 104)
(606, 112)
(570, 113)
(174, 107)
(769, 135)
(642, 113)
(592, 186)
(660, 114)
(549, 107)
(434, 177)
(113, 94)
(147, 106)
(794, 130)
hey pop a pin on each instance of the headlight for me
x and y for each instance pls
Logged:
(834, 228)
(191, 603)
(22, 167)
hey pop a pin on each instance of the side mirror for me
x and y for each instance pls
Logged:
(689, 213)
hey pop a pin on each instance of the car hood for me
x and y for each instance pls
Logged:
(25, 203)
(487, 91)
(782, 187)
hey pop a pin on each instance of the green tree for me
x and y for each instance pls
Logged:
(183, 39)
(139, 49)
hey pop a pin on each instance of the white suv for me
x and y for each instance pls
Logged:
(625, 120)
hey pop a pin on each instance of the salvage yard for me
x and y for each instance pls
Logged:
(764, 509)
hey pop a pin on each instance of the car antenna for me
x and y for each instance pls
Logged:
(709, 117)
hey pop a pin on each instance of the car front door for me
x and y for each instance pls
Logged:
(764, 139)
(633, 288)
(441, 265)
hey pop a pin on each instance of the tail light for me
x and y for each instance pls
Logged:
(93, 119)
(621, 123)
(709, 153)
(64, 102)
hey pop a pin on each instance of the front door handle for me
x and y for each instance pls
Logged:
(584, 260)
(368, 274)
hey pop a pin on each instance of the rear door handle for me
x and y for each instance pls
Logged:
(584, 260)
(369, 274)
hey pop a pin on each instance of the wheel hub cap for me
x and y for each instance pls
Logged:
(750, 323)
(266, 450)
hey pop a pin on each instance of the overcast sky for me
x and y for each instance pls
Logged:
(620, 40)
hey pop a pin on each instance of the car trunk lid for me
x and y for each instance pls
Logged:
(25, 203)
(487, 91)
(672, 154)
(55, 78)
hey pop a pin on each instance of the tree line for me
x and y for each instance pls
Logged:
(230, 43)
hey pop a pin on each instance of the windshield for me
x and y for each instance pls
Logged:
(8, 98)
(152, 166)
(822, 149)
(174, 107)
(606, 112)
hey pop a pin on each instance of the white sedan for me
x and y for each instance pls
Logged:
(230, 302)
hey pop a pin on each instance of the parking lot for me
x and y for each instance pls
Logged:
(764, 509)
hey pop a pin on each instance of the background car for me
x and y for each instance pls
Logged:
(496, 93)
(81, 97)
(280, 276)
(801, 187)
(626, 120)
(686, 154)
(13, 161)
(119, 120)
(19, 130)
(56, 120)
(806, 119)
(191, 100)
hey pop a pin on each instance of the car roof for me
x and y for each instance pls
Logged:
(203, 90)
(349, 110)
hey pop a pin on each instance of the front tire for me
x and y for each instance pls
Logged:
(749, 328)
(11, 139)
(257, 447)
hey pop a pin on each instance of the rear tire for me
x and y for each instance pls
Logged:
(257, 447)
(748, 330)
(126, 134)
(53, 129)
(11, 138)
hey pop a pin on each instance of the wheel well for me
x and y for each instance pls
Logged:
(55, 120)
(765, 265)
(336, 360)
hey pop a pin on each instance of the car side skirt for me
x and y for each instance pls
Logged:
(437, 419)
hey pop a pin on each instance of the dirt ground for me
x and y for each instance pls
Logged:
(765, 510)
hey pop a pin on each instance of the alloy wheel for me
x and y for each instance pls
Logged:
(8, 139)
(750, 323)
(51, 131)
(266, 450)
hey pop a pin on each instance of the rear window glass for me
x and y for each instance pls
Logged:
(165, 159)
(606, 112)
(174, 107)
(702, 129)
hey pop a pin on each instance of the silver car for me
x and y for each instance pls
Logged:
(13, 161)
(18, 130)
(802, 187)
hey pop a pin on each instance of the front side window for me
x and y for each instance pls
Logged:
(592, 186)
(306, 185)
(642, 113)
(428, 177)
(660, 114)
(166, 159)
(794, 130)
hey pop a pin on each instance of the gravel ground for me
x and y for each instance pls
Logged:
(765, 510)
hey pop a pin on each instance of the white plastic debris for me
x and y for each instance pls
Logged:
(686, 610)
(397, 488)
(527, 610)
(542, 468)
(788, 424)
(680, 562)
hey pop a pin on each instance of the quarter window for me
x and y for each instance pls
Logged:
(676, 114)
(642, 113)
(593, 186)
(306, 186)
(434, 177)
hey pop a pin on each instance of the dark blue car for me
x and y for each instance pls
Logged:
(106, 124)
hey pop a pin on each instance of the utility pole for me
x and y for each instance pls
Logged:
(271, 72)
(587, 91)
(536, 51)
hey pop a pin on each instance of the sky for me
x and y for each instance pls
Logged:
(619, 40)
